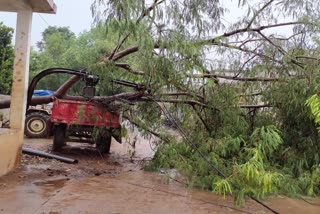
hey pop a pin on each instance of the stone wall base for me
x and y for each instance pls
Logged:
(10, 150)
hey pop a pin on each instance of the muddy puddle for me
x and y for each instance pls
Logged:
(54, 184)
(113, 183)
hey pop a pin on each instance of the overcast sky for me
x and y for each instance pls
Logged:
(75, 14)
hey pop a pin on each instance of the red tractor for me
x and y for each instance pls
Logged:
(84, 119)
(37, 123)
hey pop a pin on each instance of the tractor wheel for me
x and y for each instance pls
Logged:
(59, 134)
(102, 139)
(37, 125)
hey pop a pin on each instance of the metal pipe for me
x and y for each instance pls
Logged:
(129, 84)
(59, 93)
(47, 155)
(46, 72)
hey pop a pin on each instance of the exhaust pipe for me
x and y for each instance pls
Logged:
(47, 155)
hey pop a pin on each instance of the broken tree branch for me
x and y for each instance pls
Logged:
(127, 34)
(59, 93)
(174, 101)
(256, 29)
(148, 129)
(124, 53)
(255, 106)
(201, 119)
(258, 12)
(247, 79)
(128, 68)
(183, 94)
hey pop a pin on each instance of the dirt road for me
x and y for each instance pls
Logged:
(112, 184)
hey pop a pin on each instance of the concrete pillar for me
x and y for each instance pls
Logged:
(11, 139)
(21, 69)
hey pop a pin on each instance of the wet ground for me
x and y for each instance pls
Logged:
(113, 183)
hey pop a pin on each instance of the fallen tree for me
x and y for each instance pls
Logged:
(252, 122)
(246, 121)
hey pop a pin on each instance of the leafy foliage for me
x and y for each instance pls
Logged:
(262, 151)
(6, 58)
(63, 32)
(313, 103)
(239, 89)
(64, 49)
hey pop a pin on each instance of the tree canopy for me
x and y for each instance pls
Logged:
(239, 87)
(63, 32)
(6, 58)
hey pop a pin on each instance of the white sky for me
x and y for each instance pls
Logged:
(75, 14)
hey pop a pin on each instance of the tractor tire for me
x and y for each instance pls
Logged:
(37, 125)
(102, 139)
(59, 134)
